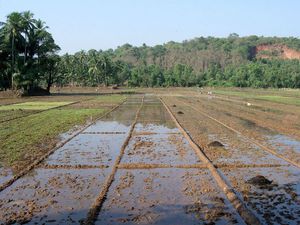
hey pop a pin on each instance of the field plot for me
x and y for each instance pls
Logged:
(138, 164)
(160, 179)
(31, 132)
(259, 158)
(62, 188)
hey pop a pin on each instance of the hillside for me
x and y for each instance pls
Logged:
(200, 53)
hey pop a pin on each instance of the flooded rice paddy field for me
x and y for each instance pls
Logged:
(136, 166)
(235, 141)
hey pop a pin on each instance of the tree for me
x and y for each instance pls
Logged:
(29, 43)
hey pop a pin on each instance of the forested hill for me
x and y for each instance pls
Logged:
(201, 53)
(233, 61)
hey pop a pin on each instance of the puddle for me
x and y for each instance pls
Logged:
(51, 196)
(89, 149)
(109, 126)
(156, 127)
(286, 146)
(277, 203)
(5, 175)
(123, 113)
(154, 112)
(166, 196)
(159, 148)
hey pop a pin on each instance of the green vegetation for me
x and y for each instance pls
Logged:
(199, 62)
(38, 105)
(23, 136)
(280, 99)
(113, 99)
(26, 137)
(291, 100)
(28, 61)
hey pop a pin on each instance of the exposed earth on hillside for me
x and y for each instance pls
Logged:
(276, 51)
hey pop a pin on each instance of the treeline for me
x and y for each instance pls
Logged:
(29, 60)
(199, 62)
(95, 68)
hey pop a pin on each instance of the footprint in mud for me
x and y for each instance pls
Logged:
(215, 144)
(259, 180)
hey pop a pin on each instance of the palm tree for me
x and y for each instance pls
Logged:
(12, 30)
(94, 66)
(29, 26)
(105, 67)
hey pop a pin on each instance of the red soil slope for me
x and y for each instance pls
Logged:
(276, 51)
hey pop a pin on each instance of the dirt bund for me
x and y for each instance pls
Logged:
(239, 205)
(155, 166)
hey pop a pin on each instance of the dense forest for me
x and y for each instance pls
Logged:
(29, 61)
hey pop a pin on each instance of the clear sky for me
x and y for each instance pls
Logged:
(99, 24)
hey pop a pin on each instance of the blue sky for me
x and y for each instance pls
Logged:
(99, 24)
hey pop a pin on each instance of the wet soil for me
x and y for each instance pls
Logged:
(159, 178)
(268, 128)
(275, 202)
(274, 198)
(166, 196)
(235, 150)
(58, 196)
(62, 188)
(89, 149)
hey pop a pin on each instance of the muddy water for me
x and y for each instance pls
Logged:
(55, 196)
(284, 145)
(5, 175)
(160, 148)
(164, 195)
(89, 149)
(62, 189)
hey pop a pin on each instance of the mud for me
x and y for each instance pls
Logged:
(134, 166)
(215, 144)
(274, 203)
(235, 149)
(51, 195)
(267, 183)
(166, 196)
(264, 127)
(159, 148)
(259, 180)
(62, 189)
(88, 149)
